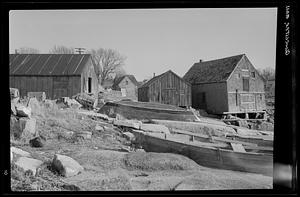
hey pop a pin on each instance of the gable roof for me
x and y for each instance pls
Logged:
(107, 83)
(159, 76)
(217, 70)
(47, 64)
(119, 79)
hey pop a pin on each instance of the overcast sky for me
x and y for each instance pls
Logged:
(153, 40)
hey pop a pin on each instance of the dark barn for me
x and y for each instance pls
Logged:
(167, 88)
(58, 75)
(227, 85)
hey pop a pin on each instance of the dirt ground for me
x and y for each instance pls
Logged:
(109, 166)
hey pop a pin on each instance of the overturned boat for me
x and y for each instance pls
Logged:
(146, 111)
(219, 154)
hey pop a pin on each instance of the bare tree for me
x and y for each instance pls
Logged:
(27, 50)
(62, 50)
(267, 73)
(106, 62)
(119, 72)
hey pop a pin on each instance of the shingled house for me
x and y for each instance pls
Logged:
(229, 85)
(128, 85)
(58, 75)
(167, 88)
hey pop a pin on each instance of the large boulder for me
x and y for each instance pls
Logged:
(23, 111)
(27, 163)
(28, 126)
(155, 128)
(66, 166)
(18, 152)
(35, 106)
(23, 127)
(37, 142)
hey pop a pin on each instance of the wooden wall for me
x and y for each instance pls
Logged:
(87, 72)
(54, 86)
(239, 100)
(143, 94)
(167, 89)
(211, 97)
(130, 87)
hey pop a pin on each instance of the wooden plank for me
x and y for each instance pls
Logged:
(237, 147)
(213, 137)
(259, 148)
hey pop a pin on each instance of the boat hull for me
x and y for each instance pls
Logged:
(142, 113)
(210, 156)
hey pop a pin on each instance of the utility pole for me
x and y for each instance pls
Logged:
(80, 50)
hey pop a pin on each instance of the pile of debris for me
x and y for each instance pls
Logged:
(87, 101)
(22, 124)
(66, 102)
(262, 125)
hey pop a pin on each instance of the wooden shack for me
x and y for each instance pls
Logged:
(229, 85)
(167, 88)
(58, 75)
(127, 84)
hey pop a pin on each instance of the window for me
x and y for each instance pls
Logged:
(253, 74)
(246, 84)
(126, 82)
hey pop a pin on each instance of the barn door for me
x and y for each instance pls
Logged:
(201, 100)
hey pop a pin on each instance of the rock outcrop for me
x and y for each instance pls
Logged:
(66, 166)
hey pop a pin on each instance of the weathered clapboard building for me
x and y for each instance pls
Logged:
(228, 85)
(127, 84)
(58, 75)
(167, 88)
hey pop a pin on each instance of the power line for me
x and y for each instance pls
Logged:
(80, 50)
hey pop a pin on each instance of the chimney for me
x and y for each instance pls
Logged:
(153, 74)
(200, 60)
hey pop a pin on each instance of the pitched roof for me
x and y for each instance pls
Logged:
(108, 84)
(119, 79)
(47, 64)
(212, 71)
(158, 76)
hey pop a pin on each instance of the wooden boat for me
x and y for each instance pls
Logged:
(248, 146)
(216, 155)
(198, 127)
(146, 111)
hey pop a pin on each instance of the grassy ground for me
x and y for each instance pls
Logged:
(109, 167)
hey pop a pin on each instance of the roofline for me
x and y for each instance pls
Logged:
(209, 82)
(22, 75)
(235, 68)
(161, 75)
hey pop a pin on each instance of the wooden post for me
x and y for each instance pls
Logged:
(246, 116)
(160, 90)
